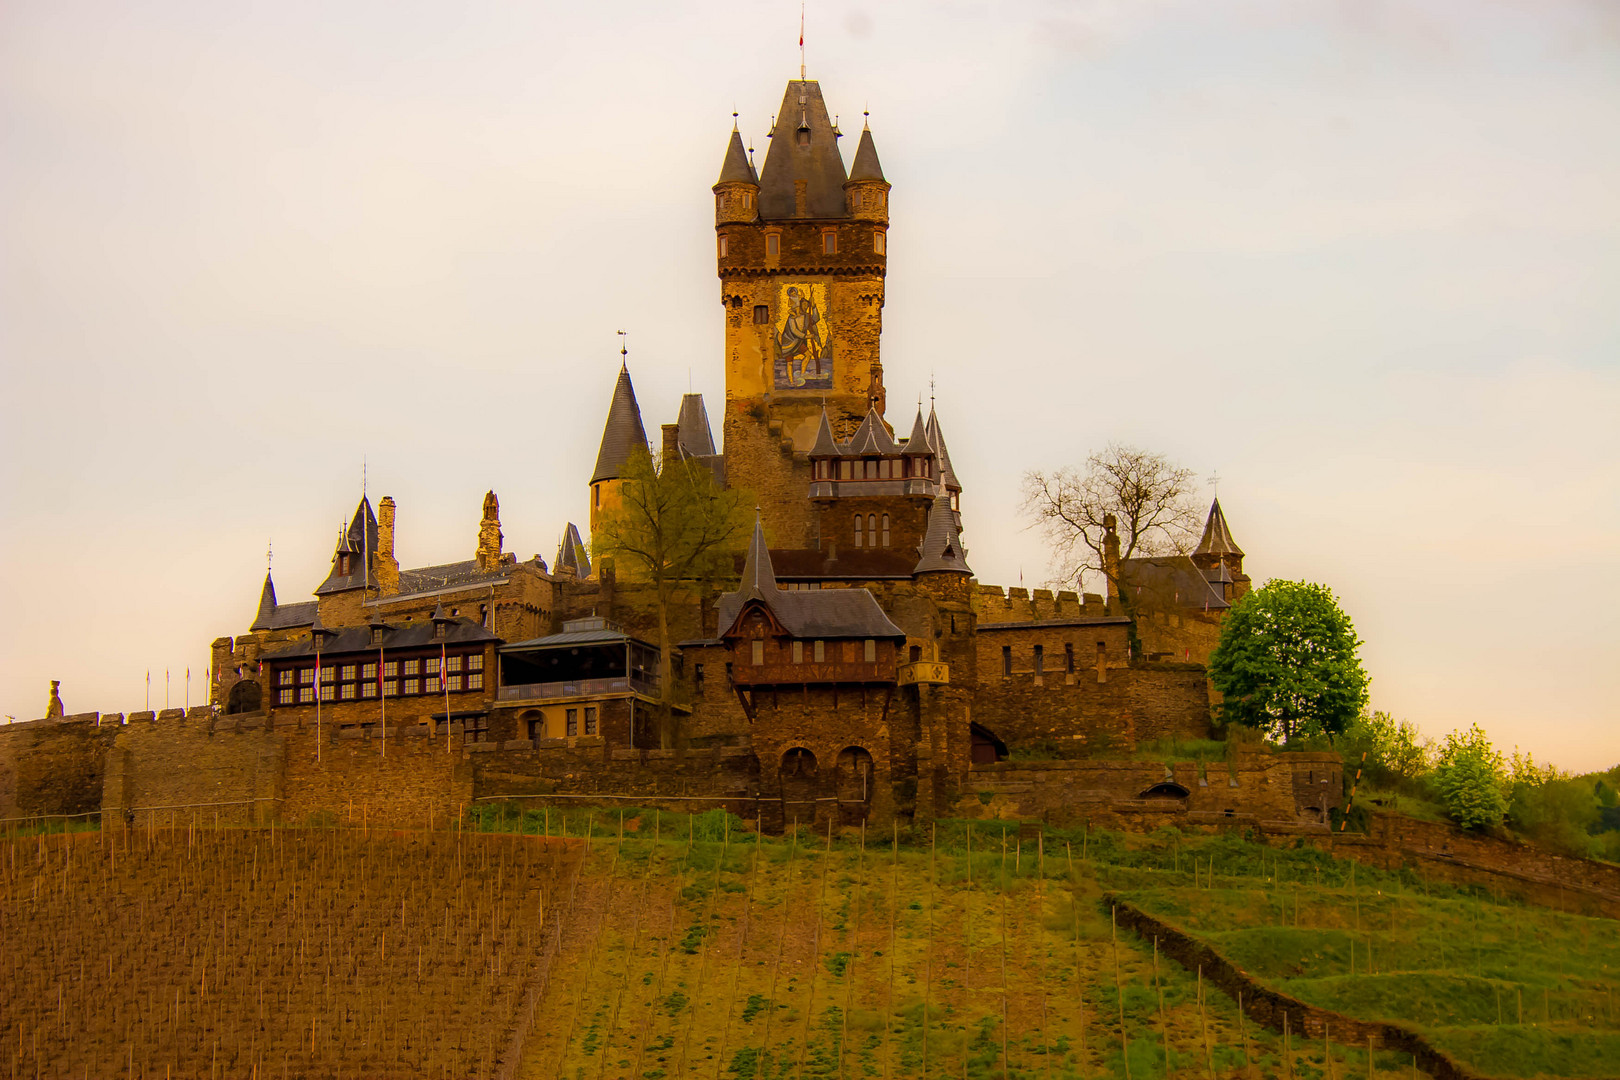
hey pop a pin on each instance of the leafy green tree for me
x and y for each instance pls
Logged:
(672, 524)
(1397, 755)
(1471, 779)
(1552, 807)
(1287, 664)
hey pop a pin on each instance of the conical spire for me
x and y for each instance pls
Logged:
(917, 445)
(866, 166)
(1217, 538)
(804, 147)
(623, 432)
(735, 169)
(826, 445)
(936, 439)
(693, 434)
(571, 558)
(942, 543)
(362, 532)
(267, 604)
(758, 576)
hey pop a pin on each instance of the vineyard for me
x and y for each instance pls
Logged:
(196, 952)
(654, 946)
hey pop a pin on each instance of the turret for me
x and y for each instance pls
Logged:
(736, 193)
(1219, 556)
(866, 193)
(353, 563)
(622, 435)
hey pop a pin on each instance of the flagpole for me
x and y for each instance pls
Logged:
(188, 688)
(165, 689)
(382, 700)
(444, 684)
(317, 698)
(148, 689)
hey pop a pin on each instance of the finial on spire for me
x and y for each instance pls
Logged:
(269, 554)
(733, 119)
(930, 390)
(624, 347)
(1215, 482)
(866, 117)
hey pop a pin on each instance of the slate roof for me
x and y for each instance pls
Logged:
(936, 439)
(571, 557)
(282, 616)
(622, 433)
(826, 445)
(1169, 581)
(359, 540)
(865, 166)
(692, 432)
(942, 543)
(872, 437)
(1217, 536)
(857, 564)
(601, 633)
(817, 161)
(815, 613)
(357, 639)
(735, 169)
(445, 575)
(917, 445)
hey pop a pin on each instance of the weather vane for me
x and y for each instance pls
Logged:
(1215, 482)
(624, 342)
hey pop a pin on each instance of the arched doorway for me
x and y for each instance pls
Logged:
(246, 696)
(1166, 790)
(532, 725)
(986, 748)
(855, 779)
(799, 777)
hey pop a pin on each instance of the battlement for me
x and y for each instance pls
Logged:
(995, 604)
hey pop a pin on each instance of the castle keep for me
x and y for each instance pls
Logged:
(855, 671)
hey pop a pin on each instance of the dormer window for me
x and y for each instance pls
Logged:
(377, 635)
(343, 563)
(439, 630)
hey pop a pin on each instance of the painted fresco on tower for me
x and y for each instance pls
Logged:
(804, 342)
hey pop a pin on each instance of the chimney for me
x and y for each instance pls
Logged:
(1111, 561)
(488, 557)
(386, 566)
(672, 443)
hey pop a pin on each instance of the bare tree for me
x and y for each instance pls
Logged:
(1142, 497)
(672, 525)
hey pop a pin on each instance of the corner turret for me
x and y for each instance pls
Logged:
(1219, 556)
(866, 193)
(736, 193)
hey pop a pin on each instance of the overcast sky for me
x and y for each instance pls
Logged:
(1360, 259)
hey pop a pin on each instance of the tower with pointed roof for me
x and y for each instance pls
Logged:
(801, 250)
(622, 436)
(1219, 556)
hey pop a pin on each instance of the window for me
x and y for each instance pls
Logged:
(880, 242)
(391, 669)
(871, 530)
(762, 315)
(306, 694)
(885, 530)
(729, 681)
(452, 682)
(820, 652)
(413, 686)
(725, 244)
(871, 651)
(798, 652)
(452, 663)
(346, 692)
(859, 524)
(590, 719)
(916, 653)
(855, 200)
(697, 677)
(285, 697)
(571, 724)
(347, 673)
(1040, 659)
(773, 245)
(430, 666)
(748, 201)
(368, 672)
(475, 662)
(1006, 659)
(328, 674)
(477, 729)
(368, 688)
(328, 692)
(1068, 657)
(475, 680)
(284, 677)
(829, 243)
(759, 652)
(377, 635)
(413, 667)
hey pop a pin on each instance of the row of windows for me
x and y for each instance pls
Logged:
(874, 469)
(818, 652)
(829, 244)
(361, 681)
(1040, 658)
(867, 533)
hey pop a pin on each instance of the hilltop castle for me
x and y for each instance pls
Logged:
(857, 671)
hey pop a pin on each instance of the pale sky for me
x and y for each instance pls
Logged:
(1361, 259)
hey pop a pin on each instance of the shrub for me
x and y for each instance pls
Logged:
(1471, 778)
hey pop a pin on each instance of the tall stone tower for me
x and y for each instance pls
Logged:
(802, 254)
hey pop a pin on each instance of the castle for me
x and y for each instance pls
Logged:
(857, 670)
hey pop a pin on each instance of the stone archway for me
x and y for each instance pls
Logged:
(799, 777)
(245, 697)
(531, 725)
(855, 782)
(1165, 790)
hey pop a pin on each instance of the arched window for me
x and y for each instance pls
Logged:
(859, 524)
(871, 530)
(885, 530)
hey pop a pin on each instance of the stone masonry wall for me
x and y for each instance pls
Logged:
(53, 766)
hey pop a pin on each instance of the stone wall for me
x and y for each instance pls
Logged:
(1088, 712)
(53, 766)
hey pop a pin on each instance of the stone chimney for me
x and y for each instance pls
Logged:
(386, 567)
(1111, 561)
(489, 535)
(672, 443)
